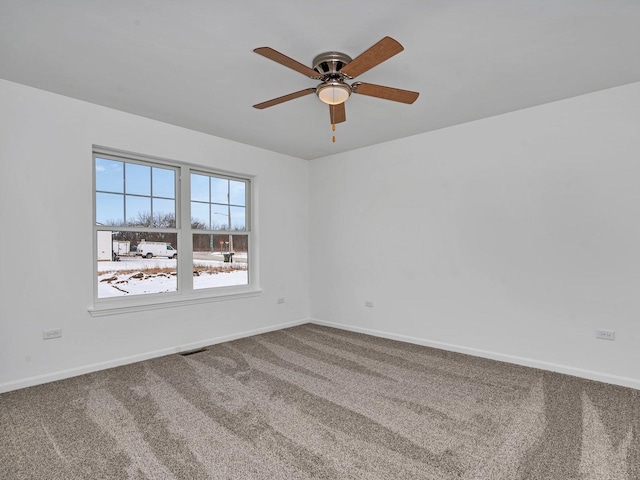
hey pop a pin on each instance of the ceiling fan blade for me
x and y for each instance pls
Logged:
(387, 93)
(381, 51)
(284, 98)
(337, 113)
(282, 59)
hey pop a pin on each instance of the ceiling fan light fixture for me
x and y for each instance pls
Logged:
(333, 92)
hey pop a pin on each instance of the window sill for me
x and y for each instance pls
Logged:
(113, 308)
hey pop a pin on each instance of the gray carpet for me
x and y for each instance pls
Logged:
(315, 402)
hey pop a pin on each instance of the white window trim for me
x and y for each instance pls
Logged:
(176, 300)
(185, 295)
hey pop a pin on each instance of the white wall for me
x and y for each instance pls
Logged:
(46, 240)
(513, 237)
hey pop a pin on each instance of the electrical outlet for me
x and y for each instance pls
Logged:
(368, 303)
(49, 334)
(281, 300)
(606, 334)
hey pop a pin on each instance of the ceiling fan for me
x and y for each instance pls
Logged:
(333, 69)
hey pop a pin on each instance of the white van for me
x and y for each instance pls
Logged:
(156, 249)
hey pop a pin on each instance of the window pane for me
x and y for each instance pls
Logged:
(220, 217)
(237, 194)
(123, 271)
(138, 210)
(109, 175)
(219, 190)
(220, 260)
(164, 182)
(137, 179)
(164, 213)
(199, 187)
(200, 216)
(109, 209)
(238, 218)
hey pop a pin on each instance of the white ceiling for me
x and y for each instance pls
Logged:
(190, 62)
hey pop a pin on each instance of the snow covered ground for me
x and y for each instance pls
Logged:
(137, 276)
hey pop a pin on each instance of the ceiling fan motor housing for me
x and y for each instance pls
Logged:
(329, 64)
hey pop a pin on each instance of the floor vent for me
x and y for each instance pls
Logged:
(192, 352)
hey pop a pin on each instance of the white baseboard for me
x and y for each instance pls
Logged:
(73, 372)
(527, 362)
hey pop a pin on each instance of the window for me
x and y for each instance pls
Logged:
(218, 222)
(168, 228)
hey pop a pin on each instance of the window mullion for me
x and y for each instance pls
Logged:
(185, 240)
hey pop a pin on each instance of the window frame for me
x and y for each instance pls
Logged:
(185, 294)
